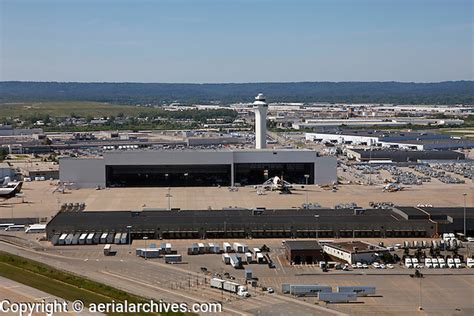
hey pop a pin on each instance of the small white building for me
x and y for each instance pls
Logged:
(354, 251)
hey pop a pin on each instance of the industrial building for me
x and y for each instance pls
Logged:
(289, 223)
(391, 155)
(389, 139)
(139, 168)
(303, 251)
(197, 168)
(354, 251)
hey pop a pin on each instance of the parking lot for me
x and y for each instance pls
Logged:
(396, 290)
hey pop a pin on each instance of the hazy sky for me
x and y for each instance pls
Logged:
(236, 41)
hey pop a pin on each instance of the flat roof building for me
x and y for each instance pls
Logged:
(403, 155)
(354, 251)
(303, 251)
(197, 168)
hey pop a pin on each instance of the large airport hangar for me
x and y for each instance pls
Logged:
(148, 168)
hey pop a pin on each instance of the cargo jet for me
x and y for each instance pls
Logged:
(10, 189)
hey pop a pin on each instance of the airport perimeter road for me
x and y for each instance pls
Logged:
(170, 283)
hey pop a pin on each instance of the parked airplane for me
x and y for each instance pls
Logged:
(277, 184)
(10, 189)
(392, 187)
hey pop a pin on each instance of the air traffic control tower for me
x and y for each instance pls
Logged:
(260, 107)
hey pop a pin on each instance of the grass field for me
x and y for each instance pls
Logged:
(60, 283)
(63, 109)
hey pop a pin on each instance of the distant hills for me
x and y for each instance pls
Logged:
(449, 92)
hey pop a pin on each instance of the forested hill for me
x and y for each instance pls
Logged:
(449, 92)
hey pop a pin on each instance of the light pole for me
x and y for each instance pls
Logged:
(129, 229)
(168, 195)
(306, 177)
(465, 194)
(317, 224)
(145, 239)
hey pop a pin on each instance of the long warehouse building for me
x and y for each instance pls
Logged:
(287, 223)
(197, 168)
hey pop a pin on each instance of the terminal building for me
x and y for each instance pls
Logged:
(148, 168)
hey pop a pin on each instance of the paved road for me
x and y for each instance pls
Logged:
(169, 282)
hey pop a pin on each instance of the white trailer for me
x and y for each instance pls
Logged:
(103, 238)
(214, 248)
(107, 249)
(217, 283)
(123, 238)
(229, 286)
(117, 238)
(62, 239)
(337, 297)
(238, 247)
(75, 239)
(470, 262)
(82, 239)
(96, 239)
(248, 257)
(200, 247)
(226, 258)
(110, 238)
(260, 258)
(69, 238)
(226, 247)
(358, 290)
(235, 261)
(173, 258)
(90, 239)
(236, 288)
(305, 289)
